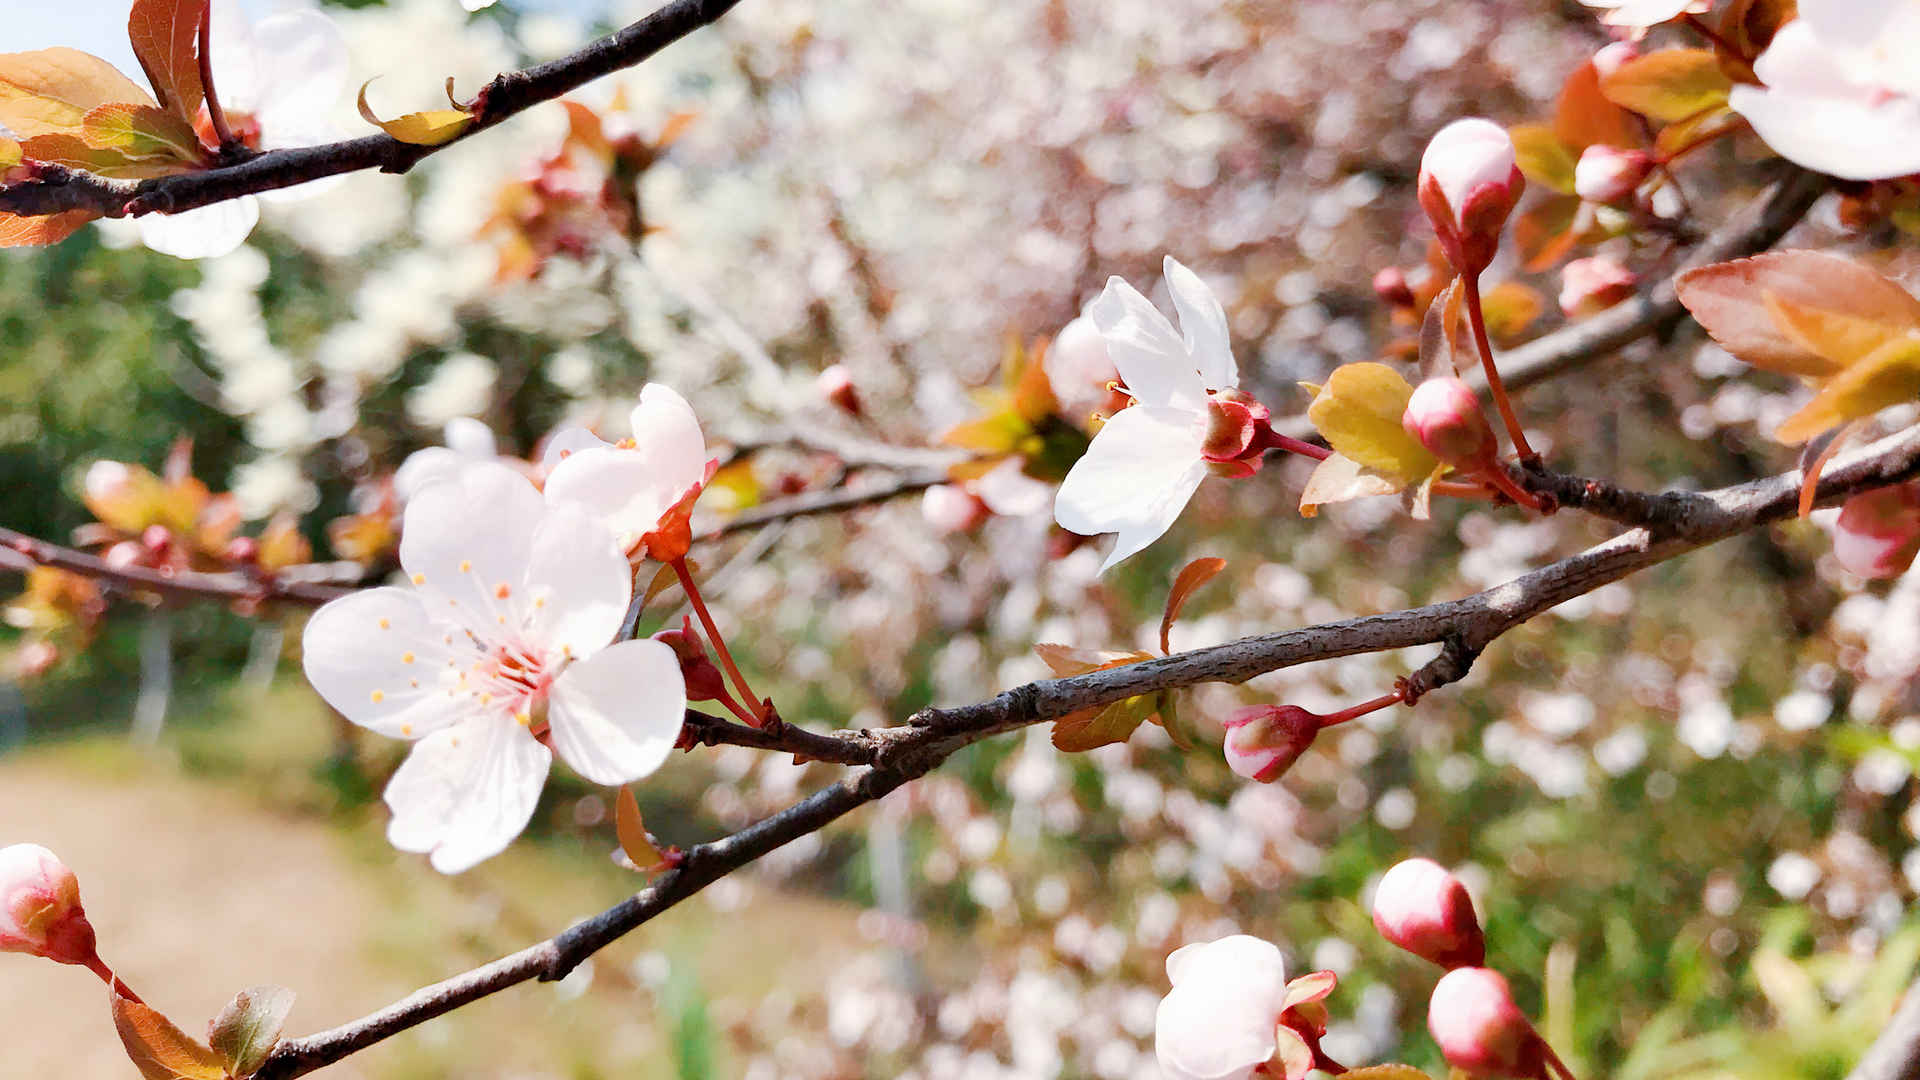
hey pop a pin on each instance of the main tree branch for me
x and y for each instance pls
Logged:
(59, 189)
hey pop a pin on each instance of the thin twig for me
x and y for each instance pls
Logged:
(825, 502)
(308, 585)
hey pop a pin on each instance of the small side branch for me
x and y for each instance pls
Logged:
(309, 585)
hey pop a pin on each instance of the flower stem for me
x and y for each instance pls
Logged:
(1501, 482)
(755, 712)
(1327, 720)
(1471, 283)
(1558, 1067)
(222, 133)
(1276, 441)
(1714, 36)
(99, 967)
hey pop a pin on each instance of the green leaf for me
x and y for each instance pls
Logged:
(246, 1030)
(1542, 157)
(1359, 412)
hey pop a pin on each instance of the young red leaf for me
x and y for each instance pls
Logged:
(160, 1050)
(73, 152)
(1191, 577)
(1583, 116)
(50, 90)
(17, 231)
(246, 1030)
(166, 39)
(633, 832)
(1729, 299)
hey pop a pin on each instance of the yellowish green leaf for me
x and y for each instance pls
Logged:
(160, 1050)
(633, 832)
(1359, 413)
(1543, 158)
(1702, 126)
(140, 131)
(1191, 577)
(1669, 85)
(1115, 723)
(1832, 335)
(245, 1031)
(1340, 478)
(1890, 376)
(50, 90)
(430, 128)
(9, 153)
(1386, 1072)
(1069, 660)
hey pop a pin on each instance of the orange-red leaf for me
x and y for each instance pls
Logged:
(51, 90)
(73, 152)
(633, 832)
(1584, 117)
(1730, 300)
(17, 231)
(1191, 577)
(160, 1050)
(166, 39)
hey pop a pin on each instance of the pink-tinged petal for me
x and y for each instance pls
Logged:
(1135, 477)
(465, 792)
(382, 661)
(667, 434)
(1854, 138)
(616, 716)
(1222, 957)
(468, 534)
(565, 443)
(1151, 357)
(1010, 492)
(1219, 1020)
(622, 486)
(206, 233)
(308, 58)
(1204, 322)
(577, 582)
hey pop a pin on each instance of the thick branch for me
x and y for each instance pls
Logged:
(60, 189)
(309, 585)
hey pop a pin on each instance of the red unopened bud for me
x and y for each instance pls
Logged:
(126, 553)
(835, 384)
(1263, 741)
(40, 909)
(704, 681)
(1469, 183)
(157, 539)
(1590, 286)
(1613, 57)
(1480, 1030)
(1608, 175)
(1878, 533)
(1444, 415)
(1425, 910)
(242, 550)
(1390, 285)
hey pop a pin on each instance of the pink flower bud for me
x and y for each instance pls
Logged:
(835, 385)
(1425, 910)
(1390, 285)
(950, 508)
(1469, 182)
(1608, 174)
(1444, 415)
(1263, 741)
(1079, 368)
(1878, 533)
(1613, 57)
(40, 909)
(1590, 286)
(703, 679)
(1479, 1028)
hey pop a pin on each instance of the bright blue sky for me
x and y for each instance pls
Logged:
(100, 26)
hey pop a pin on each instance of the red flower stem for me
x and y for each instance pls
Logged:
(1276, 441)
(733, 706)
(1554, 1063)
(756, 717)
(1362, 709)
(215, 113)
(1455, 490)
(1471, 283)
(99, 967)
(1497, 476)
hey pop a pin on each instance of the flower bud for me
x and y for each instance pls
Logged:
(1878, 533)
(703, 679)
(1609, 175)
(1590, 286)
(1444, 415)
(1263, 741)
(1480, 1030)
(40, 909)
(1390, 285)
(1469, 182)
(1612, 57)
(835, 385)
(1425, 910)
(950, 508)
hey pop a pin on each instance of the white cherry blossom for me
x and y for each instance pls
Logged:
(1219, 1020)
(1640, 14)
(1145, 463)
(635, 484)
(1842, 93)
(496, 654)
(277, 81)
(467, 441)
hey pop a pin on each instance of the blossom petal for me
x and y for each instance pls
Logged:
(626, 489)
(465, 792)
(1205, 323)
(468, 533)
(1218, 1021)
(1135, 478)
(470, 438)
(1152, 359)
(667, 434)
(206, 233)
(577, 582)
(1851, 138)
(424, 467)
(238, 71)
(615, 717)
(565, 443)
(379, 658)
(309, 58)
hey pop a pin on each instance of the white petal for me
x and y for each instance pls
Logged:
(622, 486)
(1011, 493)
(424, 467)
(205, 233)
(1205, 324)
(465, 792)
(1852, 24)
(615, 717)
(577, 582)
(308, 58)
(476, 5)
(1218, 1021)
(565, 443)
(1152, 359)
(239, 75)
(667, 434)
(379, 658)
(1135, 478)
(470, 438)
(1853, 138)
(469, 533)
